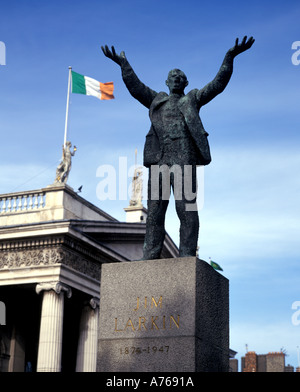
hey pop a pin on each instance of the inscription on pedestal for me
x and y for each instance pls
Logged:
(143, 323)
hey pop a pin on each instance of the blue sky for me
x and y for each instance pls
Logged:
(250, 217)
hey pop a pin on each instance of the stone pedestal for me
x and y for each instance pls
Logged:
(167, 315)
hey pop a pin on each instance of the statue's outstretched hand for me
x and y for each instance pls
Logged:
(243, 46)
(111, 54)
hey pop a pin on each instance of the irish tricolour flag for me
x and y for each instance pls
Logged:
(85, 85)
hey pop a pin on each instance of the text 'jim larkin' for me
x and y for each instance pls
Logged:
(152, 322)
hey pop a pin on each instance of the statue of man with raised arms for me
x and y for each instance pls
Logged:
(176, 139)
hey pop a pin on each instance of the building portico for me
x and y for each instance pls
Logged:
(52, 245)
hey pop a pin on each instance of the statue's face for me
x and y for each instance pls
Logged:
(176, 81)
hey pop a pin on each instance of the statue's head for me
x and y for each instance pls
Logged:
(177, 81)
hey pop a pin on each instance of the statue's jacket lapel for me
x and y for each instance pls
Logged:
(189, 107)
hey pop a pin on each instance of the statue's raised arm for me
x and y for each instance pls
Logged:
(137, 89)
(242, 47)
(111, 54)
(218, 84)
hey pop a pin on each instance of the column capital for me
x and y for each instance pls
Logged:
(57, 286)
(94, 302)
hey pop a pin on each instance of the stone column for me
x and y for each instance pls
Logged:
(51, 329)
(88, 337)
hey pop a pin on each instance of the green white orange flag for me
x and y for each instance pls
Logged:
(85, 85)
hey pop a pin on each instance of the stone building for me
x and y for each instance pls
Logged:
(233, 362)
(271, 362)
(52, 245)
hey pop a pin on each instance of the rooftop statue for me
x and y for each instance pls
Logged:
(137, 188)
(176, 140)
(63, 169)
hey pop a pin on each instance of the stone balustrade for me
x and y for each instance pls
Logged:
(22, 201)
(55, 202)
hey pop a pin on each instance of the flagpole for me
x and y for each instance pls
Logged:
(67, 108)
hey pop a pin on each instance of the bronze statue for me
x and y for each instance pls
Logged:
(177, 139)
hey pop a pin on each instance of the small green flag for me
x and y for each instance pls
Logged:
(215, 265)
